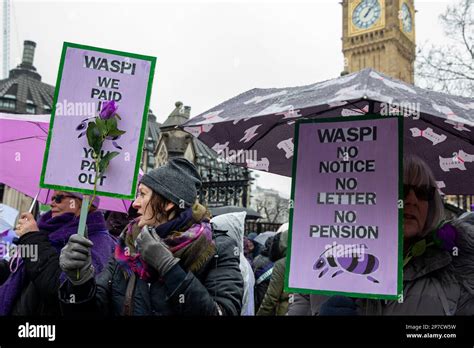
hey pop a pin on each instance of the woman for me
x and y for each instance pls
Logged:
(33, 275)
(251, 248)
(116, 222)
(438, 279)
(171, 265)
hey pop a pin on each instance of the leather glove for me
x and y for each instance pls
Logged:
(338, 305)
(76, 261)
(155, 252)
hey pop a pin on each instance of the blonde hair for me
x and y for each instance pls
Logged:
(417, 173)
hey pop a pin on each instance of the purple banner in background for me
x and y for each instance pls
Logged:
(87, 77)
(345, 222)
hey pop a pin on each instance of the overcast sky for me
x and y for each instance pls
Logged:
(207, 51)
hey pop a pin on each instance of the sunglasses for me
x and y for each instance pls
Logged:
(425, 193)
(59, 198)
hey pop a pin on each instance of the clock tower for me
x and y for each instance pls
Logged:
(379, 34)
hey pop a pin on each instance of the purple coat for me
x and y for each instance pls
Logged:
(45, 273)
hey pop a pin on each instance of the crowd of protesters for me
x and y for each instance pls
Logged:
(169, 256)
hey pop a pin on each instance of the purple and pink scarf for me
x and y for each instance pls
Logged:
(188, 236)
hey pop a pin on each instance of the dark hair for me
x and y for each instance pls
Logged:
(116, 222)
(158, 205)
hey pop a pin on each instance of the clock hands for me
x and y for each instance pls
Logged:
(367, 13)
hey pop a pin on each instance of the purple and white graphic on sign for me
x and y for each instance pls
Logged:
(345, 226)
(88, 78)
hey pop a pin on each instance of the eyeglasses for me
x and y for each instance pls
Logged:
(58, 198)
(425, 193)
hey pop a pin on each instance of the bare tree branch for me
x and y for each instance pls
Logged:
(450, 68)
(272, 208)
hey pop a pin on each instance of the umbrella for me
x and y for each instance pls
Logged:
(251, 214)
(8, 217)
(255, 129)
(22, 145)
(262, 237)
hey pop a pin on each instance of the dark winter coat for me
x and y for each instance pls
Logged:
(262, 268)
(275, 301)
(216, 290)
(33, 289)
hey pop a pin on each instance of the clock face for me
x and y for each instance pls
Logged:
(366, 14)
(407, 21)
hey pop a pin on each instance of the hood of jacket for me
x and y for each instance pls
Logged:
(233, 224)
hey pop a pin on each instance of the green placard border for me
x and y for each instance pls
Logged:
(400, 211)
(152, 60)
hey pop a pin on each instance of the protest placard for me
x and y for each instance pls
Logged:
(346, 222)
(89, 76)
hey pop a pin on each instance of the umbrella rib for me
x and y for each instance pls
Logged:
(369, 101)
(47, 196)
(39, 126)
(123, 202)
(25, 138)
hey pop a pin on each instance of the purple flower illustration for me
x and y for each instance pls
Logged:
(108, 110)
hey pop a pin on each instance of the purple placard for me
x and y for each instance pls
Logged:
(89, 76)
(350, 248)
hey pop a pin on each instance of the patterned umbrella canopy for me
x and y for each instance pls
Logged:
(255, 129)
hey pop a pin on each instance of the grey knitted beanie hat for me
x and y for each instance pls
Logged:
(178, 181)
